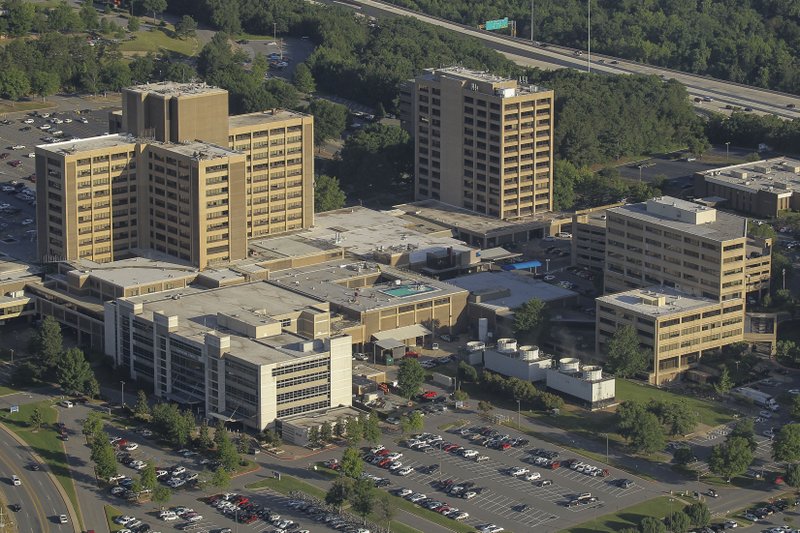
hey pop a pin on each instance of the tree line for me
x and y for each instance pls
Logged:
(749, 41)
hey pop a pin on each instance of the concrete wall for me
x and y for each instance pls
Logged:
(588, 391)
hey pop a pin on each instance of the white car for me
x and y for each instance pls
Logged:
(469, 495)
(405, 471)
(83, 120)
(124, 520)
(67, 120)
(470, 454)
(114, 479)
(28, 121)
(460, 516)
(765, 414)
(794, 391)
(519, 471)
(533, 476)
(18, 147)
(45, 127)
(491, 528)
(404, 492)
(769, 433)
(32, 154)
(168, 516)
(416, 497)
(131, 446)
(395, 466)
(16, 481)
(192, 517)
(63, 519)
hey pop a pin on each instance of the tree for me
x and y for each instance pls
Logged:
(724, 384)
(92, 425)
(153, 6)
(384, 510)
(650, 524)
(412, 422)
(185, 27)
(25, 374)
(351, 465)
(732, 458)
(147, 478)
(133, 24)
(377, 158)
(372, 428)
(678, 522)
(624, 354)
(628, 415)
(340, 428)
(354, 430)
(330, 120)
(243, 444)
(171, 424)
(328, 196)
(467, 372)
(485, 406)
(410, 377)
(116, 75)
(698, 145)
(35, 419)
(141, 411)
(103, 456)
(45, 83)
(648, 435)
(47, 343)
(221, 478)
(313, 436)
(787, 351)
(91, 387)
(679, 418)
(786, 444)
(683, 456)
(303, 79)
(744, 429)
(180, 72)
(161, 494)
(339, 492)
(142, 68)
(73, 371)
(698, 513)
(530, 320)
(362, 497)
(325, 432)
(204, 441)
(89, 16)
(792, 477)
(795, 409)
(460, 396)
(227, 453)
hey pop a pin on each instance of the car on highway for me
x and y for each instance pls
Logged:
(16, 481)
(62, 519)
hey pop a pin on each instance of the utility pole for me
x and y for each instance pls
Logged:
(122, 394)
(532, 20)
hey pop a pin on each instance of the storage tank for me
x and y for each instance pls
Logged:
(475, 346)
(506, 345)
(483, 329)
(568, 365)
(592, 373)
(529, 352)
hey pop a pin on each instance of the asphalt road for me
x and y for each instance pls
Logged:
(722, 93)
(40, 500)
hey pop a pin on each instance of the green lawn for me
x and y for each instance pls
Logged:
(7, 106)
(711, 413)
(156, 40)
(44, 442)
(288, 484)
(6, 390)
(630, 517)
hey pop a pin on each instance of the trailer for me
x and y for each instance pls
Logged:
(757, 397)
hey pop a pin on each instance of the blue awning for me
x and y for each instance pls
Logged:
(522, 266)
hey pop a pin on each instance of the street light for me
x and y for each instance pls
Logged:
(727, 150)
(606, 435)
(531, 20)
(640, 172)
(547, 263)
(519, 425)
(122, 394)
(783, 273)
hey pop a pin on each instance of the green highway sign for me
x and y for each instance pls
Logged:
(497, 24)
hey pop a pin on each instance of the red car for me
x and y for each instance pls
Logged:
(450, 447)
(505, 446)
(428, 395)
(383, 453)
(415, 355)
(385, 463)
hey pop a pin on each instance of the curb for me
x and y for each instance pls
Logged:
(74, 516)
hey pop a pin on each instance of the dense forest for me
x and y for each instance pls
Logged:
(748, 41)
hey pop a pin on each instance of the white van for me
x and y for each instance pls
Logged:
(68, 404)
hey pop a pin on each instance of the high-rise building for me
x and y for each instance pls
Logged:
(482, 142)
(179, 176)
(680, 274)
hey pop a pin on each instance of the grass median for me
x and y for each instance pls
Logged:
(111, 513)
(45, 443)
(629, 517)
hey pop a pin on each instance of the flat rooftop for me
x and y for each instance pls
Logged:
(174, 88)
(521, 287)
(197, 310)
(364, 231)
(459, 218)
(90, 143)
(264, 117)
(327, 281)
(675, 301)
(199, 150)
(779, 175)
(286, 246)
(135, 271)
(482, 76)
(13, 270)
(724, 227)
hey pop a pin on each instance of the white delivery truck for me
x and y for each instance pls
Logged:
(759, 398)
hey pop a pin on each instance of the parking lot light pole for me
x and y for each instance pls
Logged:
(606, 435)
(519, 425)
(547, 266)
(122, 394)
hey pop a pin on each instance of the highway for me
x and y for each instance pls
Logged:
(40, 500)
(522, 52)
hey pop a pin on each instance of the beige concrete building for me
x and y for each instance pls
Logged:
(252, 353)
(761, 188)
(589, 237)
(182, 179)
(482, 142)
(15, 302)
(686, 263)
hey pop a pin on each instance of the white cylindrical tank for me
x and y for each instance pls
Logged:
(569, 364)
(529, 352)
(592, 373)
(475, 346)
(506, 345)
(483, 329)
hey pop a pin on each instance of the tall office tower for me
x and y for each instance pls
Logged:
(482, 142)
(180, 177)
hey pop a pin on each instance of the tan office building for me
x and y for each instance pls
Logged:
(761, 188)
(685, 263)
(482, 142)
(182, 178)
